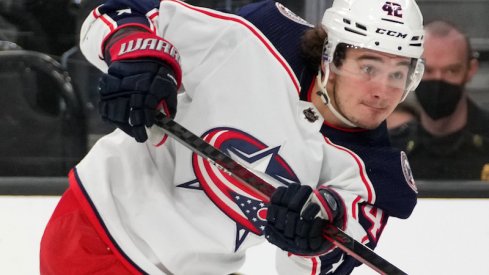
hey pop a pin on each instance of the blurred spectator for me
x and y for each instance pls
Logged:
(451, 140)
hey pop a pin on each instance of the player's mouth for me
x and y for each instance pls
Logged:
(375, 107)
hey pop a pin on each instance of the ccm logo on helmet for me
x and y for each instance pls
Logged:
(391, 33)
(149, 44)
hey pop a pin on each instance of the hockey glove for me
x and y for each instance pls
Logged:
(143, 76)
(297, 216)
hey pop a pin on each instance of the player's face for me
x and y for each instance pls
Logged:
(369, 85)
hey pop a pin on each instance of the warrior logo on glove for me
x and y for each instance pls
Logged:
(150, 44)
(143, 78)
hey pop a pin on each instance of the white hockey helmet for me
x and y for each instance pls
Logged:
(393, 27)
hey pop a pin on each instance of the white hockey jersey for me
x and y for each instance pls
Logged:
(167, 210)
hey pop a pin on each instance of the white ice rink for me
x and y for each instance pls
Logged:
(442, 237)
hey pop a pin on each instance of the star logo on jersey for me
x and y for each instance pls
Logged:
(239, 202)
(121, 12)
(337, 264)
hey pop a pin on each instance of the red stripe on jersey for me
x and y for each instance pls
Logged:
(361, 169)
(163, 140)
(255, 32)
(108, 23)
(354, 208)
(97, 223)
(96, 13)
(314, 266)
(152, 14)
(314, 263)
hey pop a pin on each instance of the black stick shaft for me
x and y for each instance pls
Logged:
(240, 172)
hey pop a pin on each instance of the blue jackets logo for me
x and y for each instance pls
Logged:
(239, 202)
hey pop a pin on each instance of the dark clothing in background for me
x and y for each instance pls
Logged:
(461, 155)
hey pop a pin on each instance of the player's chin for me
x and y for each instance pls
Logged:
(369, 121)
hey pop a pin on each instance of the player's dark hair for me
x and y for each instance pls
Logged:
(312, 48)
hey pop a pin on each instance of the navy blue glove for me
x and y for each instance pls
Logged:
(143, 78)
(297, 216)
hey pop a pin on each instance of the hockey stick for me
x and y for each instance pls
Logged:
(222, 161)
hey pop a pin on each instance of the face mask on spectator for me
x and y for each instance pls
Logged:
(438, 98)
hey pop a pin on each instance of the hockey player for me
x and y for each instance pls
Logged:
(156, 208)
(301, 44)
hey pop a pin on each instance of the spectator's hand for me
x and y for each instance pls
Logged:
(297, 216)
(143, 77)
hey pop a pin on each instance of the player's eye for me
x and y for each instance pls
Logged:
(397, 76)
(368, 70)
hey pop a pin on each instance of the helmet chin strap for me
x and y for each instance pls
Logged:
(326, 100)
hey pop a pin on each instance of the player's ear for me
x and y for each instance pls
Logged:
(332, 75)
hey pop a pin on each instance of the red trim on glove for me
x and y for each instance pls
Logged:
(125, 26)
(138, 45)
